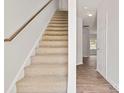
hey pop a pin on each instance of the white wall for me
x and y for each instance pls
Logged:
(113, 42)
(18, 50)
(21, 11)
(79, 30)
(63, 5)
(112, 59)
(79, 40)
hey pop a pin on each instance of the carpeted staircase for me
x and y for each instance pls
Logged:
(48, 70)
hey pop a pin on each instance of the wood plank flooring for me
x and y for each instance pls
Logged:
(89, 80)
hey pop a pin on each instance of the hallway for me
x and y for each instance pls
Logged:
(89, 80)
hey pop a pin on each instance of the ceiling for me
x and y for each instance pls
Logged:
(87, 9)
(91, 4)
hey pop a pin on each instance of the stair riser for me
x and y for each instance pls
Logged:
(61, 14)
(56, 32)
(59, 22)
(54, 38)
(54, 59)
(35, 72)
(53, 46)
(58, 28)
(59, 31)
(41, 89)
(60, 17)
(53, 43)
(51, 51)
(58, 25)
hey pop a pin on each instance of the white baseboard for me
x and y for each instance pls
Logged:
(109, 80)
(79, 63)
(27, 62)
(85, 56)
(113, 84)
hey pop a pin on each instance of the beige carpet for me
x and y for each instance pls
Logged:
(48, 70)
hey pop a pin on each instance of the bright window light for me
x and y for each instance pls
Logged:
(90, 15)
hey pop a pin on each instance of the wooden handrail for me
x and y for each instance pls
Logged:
(25, 24)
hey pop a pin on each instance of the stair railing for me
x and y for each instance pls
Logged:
(9, 39)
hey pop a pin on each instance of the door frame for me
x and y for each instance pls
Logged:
(72, 47)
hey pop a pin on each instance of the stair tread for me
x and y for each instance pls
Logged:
(55, 34)
(55, 58)
(59, 22)
(53, 41)
(59, 18)
(62, 43)
(42, 85)
(52, 50)
(53, 37)
(58, 48)
(54, 55)
(45, 66)
(58, 28)
(35, 70)
(35, 80)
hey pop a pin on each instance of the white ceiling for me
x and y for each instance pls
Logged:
(91, 4)
(86, 7)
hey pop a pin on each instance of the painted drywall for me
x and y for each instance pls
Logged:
(18, 50)
(63, 5)
(79, 30)
(79, 40)
(86, 42)
(112, 54)
(72, 47)
(113, 42)
(21, 11)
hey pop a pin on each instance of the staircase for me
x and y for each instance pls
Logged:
(47, 72)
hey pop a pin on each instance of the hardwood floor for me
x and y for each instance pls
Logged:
(89, 80)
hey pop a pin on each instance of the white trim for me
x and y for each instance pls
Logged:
(109, 80)
(100, 73)
(79, 63)
(72, 47)
(113, 84)
(85, 56)
(106, 41)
